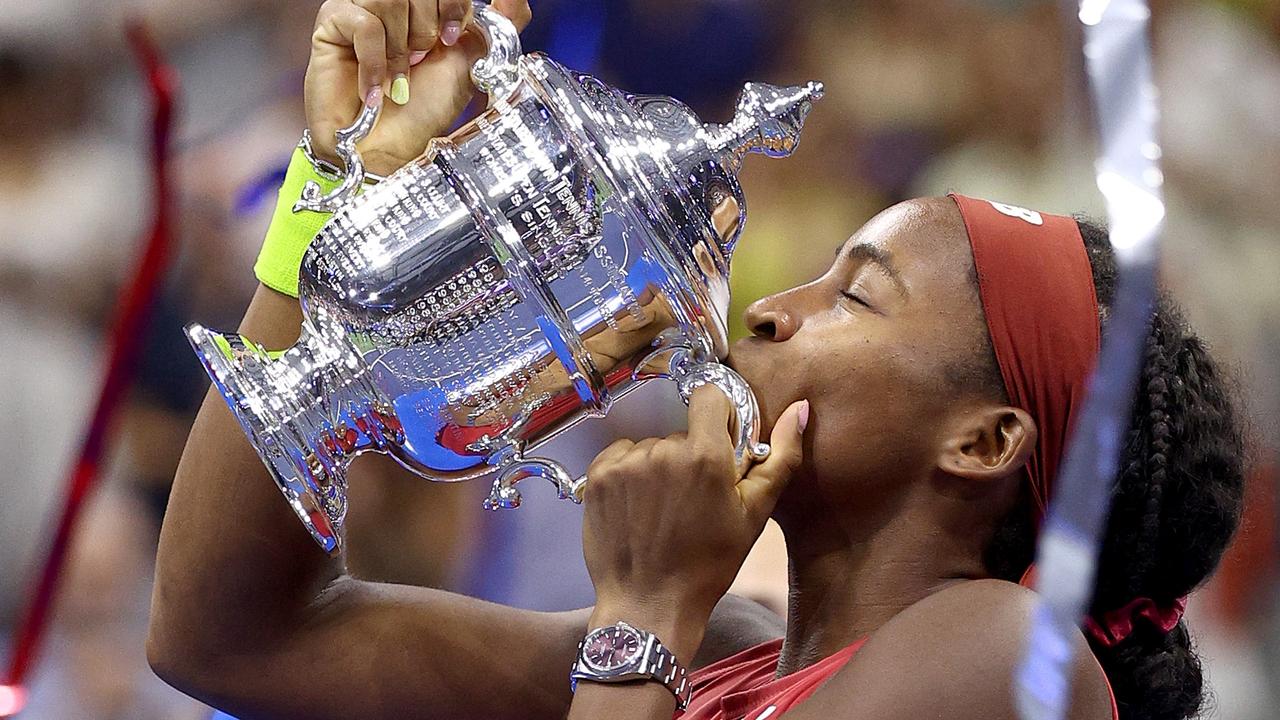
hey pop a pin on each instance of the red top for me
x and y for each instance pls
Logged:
(743, 687)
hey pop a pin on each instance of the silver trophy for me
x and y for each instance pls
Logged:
(522, 274)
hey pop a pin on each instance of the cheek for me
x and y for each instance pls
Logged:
(872, 410)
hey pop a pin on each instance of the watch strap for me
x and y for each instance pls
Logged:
(661, 664)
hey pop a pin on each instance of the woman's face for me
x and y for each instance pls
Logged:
(872, 344)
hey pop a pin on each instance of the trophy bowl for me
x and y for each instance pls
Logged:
(521, 275)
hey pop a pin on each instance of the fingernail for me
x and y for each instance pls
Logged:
(416, 57)
(451, 32)
(374, 97)
(802, 417)
(400, 90)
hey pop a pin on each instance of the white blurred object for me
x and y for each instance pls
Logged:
(75, 217)
(71, 226)
(47, 24)
(1220, 77)
(78, 28)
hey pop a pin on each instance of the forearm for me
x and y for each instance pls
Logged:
(234, 567)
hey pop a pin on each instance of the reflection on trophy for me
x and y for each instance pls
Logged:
(522, 274)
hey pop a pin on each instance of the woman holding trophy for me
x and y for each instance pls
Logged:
(916, 397)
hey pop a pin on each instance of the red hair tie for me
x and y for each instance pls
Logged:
(1118, 624)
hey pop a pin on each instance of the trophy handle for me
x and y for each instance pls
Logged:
(516, 467)
(690, 369)
(506, 453)
(674, 358)
(496, 74)
(353, 173)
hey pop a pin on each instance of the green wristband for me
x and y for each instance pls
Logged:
(291, 233)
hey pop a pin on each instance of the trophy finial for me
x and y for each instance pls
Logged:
(768, 120)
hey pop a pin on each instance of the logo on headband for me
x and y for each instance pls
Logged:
(1030, 216)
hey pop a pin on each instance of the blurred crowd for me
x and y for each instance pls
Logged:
(924, 96)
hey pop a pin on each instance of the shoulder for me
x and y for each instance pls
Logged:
(953, 655)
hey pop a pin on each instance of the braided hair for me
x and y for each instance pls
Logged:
(1176, 504)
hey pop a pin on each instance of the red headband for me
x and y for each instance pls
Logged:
(1037, 293)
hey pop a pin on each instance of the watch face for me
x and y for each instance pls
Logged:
(611, 648)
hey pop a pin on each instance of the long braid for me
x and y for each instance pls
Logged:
(1156, 372)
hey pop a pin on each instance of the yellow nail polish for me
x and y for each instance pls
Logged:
(400, 90)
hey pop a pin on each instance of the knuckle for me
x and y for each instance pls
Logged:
(634, 461)
(595, 470)
(327, 9)
(422, 38)
(618, 446)
(453, 9)
(601, 480)
(703, 462)
(523, 14)
(364, 23)
(596, 467)
(660, 455)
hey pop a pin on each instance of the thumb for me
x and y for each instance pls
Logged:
(763, 485)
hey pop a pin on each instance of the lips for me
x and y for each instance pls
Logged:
(745, 359)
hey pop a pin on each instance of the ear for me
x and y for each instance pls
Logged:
(989, 443)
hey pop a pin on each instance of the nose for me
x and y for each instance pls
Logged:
(769, 319)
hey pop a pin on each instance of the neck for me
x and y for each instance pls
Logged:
(845, 583)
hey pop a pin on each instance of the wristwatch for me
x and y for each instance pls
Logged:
(621, 653)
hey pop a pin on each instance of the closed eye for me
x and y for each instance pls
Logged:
(855, 298)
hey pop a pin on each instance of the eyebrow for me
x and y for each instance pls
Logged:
(872, 254)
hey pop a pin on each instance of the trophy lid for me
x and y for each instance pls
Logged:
(768, 120)
(678, 175)
(700, 161)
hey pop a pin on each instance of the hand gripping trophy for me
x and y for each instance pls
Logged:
(519, 276)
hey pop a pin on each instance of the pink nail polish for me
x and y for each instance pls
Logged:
(802, 418)
(374, 97)
(451, 32)
(416, 57)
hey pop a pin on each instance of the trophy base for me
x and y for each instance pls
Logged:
(305, 451)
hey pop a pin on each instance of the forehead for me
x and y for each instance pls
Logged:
(925, 241)
(923, 224)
